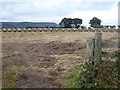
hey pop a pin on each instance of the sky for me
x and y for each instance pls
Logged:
(56, 10)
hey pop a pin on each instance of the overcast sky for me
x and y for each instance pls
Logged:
(55, 10)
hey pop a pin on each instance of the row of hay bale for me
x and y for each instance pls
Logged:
(56, 30)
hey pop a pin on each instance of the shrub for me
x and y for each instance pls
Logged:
(87, 75)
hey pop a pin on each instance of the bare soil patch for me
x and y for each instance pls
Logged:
(40, 65)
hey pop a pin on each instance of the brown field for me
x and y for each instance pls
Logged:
(41, 59)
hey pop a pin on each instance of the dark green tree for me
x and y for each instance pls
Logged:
(69, 23)
(66, 22)
(95, 22)
(77, 22)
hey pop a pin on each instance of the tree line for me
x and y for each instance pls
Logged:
(76, 23)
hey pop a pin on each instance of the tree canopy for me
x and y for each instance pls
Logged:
(95, 22)
(69, 22)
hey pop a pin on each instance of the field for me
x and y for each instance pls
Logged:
(42, 59)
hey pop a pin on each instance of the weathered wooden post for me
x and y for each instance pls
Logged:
(90, 49)
(98, 48)
(94, 48)
(94, 52)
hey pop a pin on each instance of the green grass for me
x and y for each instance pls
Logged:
(71, 77)
(8, 77)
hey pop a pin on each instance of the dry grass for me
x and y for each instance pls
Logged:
(52, 36)
(39, 59)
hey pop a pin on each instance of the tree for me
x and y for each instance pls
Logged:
(77, 22)
(71, 23)
(66, 22)
(113, 26)
(95, 22)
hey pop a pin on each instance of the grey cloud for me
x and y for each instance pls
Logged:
(27, 9)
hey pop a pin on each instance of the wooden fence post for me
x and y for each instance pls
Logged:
(90, 49)
(94, 48)
(98, 47)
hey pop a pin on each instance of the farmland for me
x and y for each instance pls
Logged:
(42, 59)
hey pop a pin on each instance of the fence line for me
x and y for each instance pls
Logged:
(94, 47)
